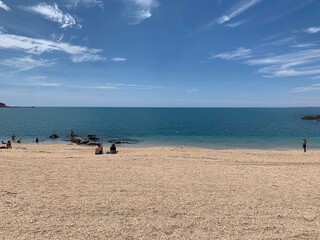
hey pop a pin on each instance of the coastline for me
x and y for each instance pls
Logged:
(65, 191)
(148, 145)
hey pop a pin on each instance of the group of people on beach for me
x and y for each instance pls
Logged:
(99, 149)
(7, 145)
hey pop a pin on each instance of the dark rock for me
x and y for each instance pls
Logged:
(310, 117)
(54, 136)
(2, 105)
(92, 143)
(124, 141)
(84, 141)
(93, 137)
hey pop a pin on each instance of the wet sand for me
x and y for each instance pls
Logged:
(64, 191)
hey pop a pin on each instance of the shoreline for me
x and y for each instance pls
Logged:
(142, 146)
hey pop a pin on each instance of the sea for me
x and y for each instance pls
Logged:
(216, 128)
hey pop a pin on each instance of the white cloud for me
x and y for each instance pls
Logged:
(313, 30)
(300, 63)
(86, 57)
(118, 86)
(56, 37)
(281, 42)
(38, 46)
(85, 3)
(238, 9)
(139, 10)
(285, 57)
(313, 87)
(119, 59)
(2, 30)
(193, 90)
(235, 24)
(26, 63)
(41, 81)
(54, 14)
(240, 53)
(304, 45)
(4, 6)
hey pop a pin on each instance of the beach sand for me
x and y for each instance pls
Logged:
(64, 191)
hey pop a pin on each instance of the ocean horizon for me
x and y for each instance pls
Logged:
(221, 128)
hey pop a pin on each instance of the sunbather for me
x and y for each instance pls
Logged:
(99, 149)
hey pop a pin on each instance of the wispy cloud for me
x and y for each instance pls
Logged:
(139, 10)
(300, 63)
(281, 41)
(240, 53)
(236, 10)
(41, 81)
(38, 46)
(4, 6)
(119, 59)
(304, 45)
(313, 30)
(118, 86)
(85, 3)
(284, 57)
(193, 90)
(57, 37)
(313, 87)
(54, 14)
(235, 24)
(26, 63)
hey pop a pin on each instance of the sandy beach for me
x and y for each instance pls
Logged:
(64, 191)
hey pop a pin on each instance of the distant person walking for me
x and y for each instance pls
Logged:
(304, 145)
(37, 140)
(13, 137)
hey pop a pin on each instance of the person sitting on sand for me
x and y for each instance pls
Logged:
(304, 145)
(8, 145)
(99, 149)
(113, 149)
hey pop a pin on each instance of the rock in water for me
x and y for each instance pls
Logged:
(2, 105)
(54, 136)
(310, 117)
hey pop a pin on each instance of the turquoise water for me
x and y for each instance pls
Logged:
(206, 127)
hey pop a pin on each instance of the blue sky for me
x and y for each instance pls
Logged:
(160, 53)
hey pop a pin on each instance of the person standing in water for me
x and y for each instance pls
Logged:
(304, 145)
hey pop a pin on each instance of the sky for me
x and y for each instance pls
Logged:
(160, 53)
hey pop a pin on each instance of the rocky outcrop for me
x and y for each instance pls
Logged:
(311, 117)
(54, 136)
(90, 140)
(2, 105)
(123, 141)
